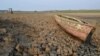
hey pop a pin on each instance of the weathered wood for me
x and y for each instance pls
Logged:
(10, 11)
(74, 26)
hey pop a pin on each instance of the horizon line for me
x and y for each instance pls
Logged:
(50, 10)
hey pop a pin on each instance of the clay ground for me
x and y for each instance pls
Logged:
(37, 34)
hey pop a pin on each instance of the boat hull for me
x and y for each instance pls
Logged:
(75, 27)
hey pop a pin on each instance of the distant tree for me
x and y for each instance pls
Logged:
(35, 11)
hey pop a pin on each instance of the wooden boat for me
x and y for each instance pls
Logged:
(75, 27)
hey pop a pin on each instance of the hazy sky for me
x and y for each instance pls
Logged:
(49, 4)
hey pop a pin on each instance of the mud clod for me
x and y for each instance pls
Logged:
(39, 35)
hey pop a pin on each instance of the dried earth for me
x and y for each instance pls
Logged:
(38, 34)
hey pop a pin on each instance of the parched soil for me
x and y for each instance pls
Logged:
(38, 34)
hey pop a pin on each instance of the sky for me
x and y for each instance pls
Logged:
(31, 5)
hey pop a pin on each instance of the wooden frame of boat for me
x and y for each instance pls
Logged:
(75, 27)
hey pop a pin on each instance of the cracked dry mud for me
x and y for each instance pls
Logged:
(39, 35)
